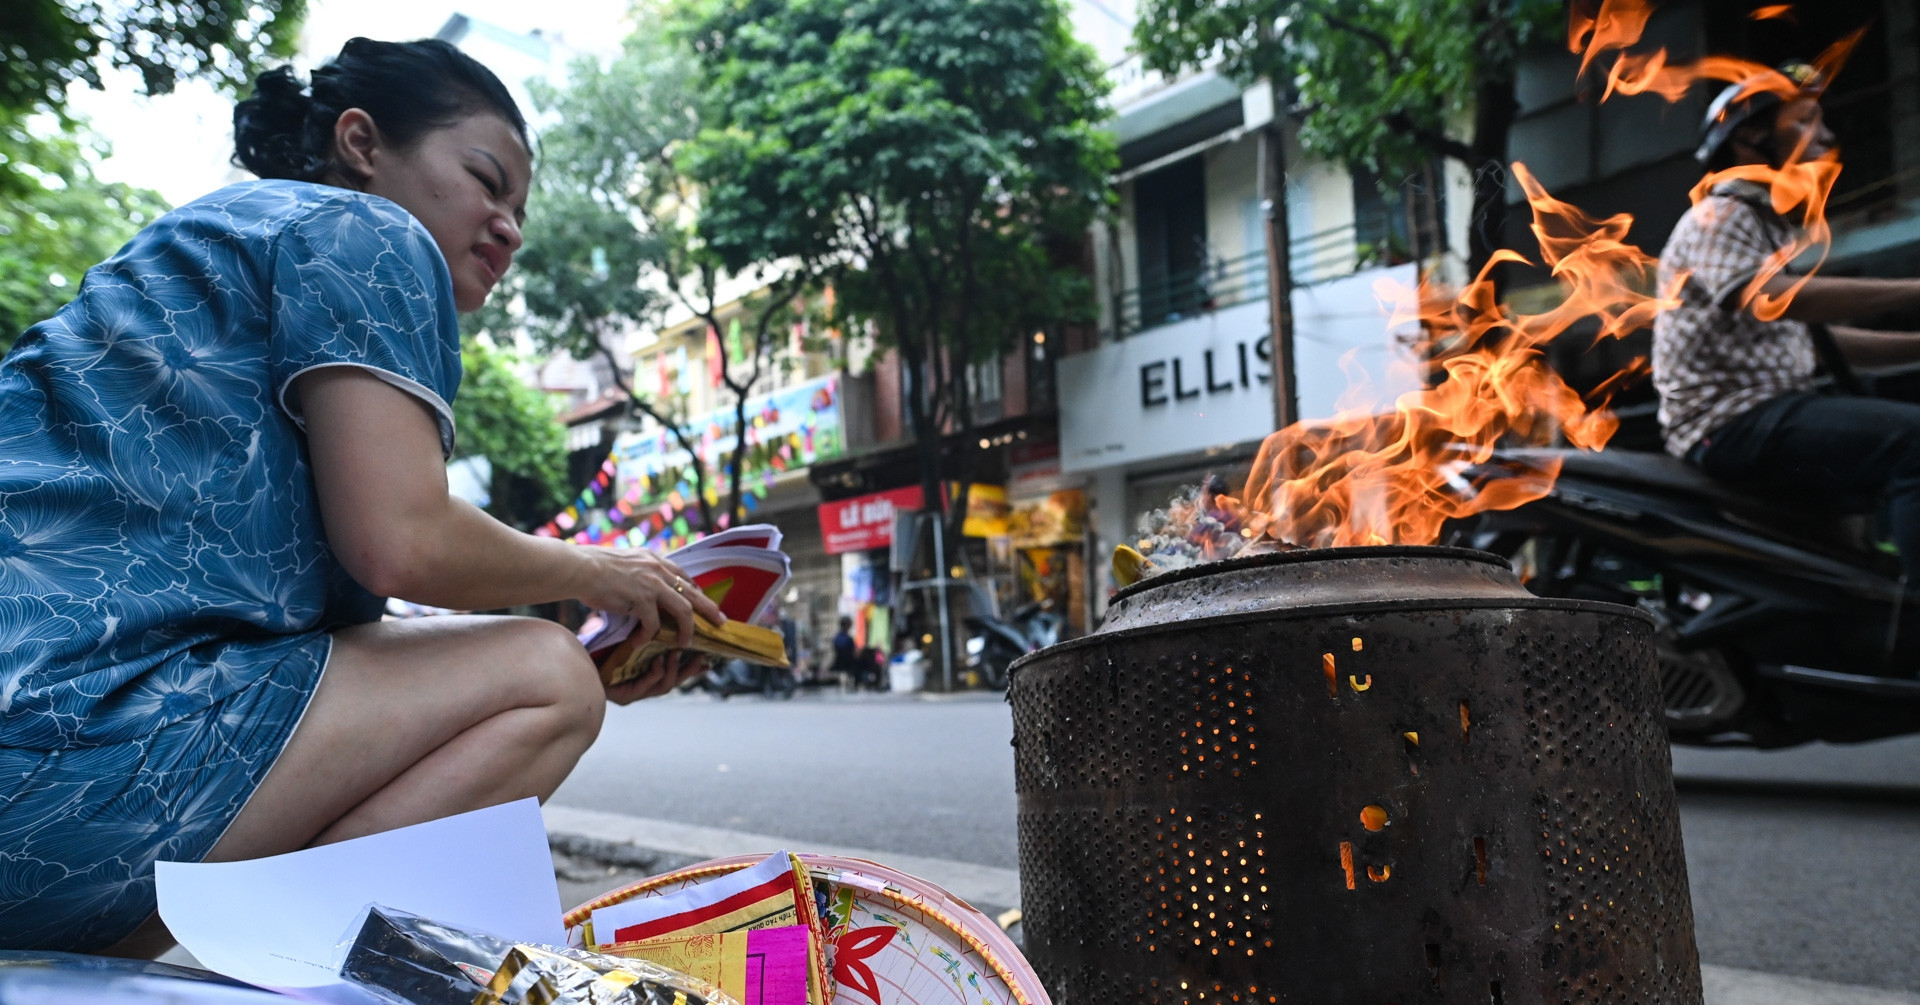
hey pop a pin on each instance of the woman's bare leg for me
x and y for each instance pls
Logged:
(414, 721)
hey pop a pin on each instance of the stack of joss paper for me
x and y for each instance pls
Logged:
(751, 933)
(403, 959)
(742, 570)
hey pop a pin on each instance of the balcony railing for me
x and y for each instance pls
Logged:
(1226, 282)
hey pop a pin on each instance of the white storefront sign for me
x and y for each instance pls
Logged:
(1207, 381)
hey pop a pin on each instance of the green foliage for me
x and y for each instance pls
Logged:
(942, 157)
(1383, 84)
(57, 222)
(590, 269)
(52, 43)
(603, 233)
(580, 273)
(516, 428)
(46, 45)
(611, 240)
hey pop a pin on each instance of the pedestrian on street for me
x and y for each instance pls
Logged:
(846, 652)
(218, 460)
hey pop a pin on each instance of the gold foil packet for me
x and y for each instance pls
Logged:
(403, 959)
(532, 975)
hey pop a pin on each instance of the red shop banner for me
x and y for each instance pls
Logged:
(865, 522)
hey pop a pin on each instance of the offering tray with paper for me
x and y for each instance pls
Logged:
(890, 938)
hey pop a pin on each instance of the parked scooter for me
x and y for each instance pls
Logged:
(993, 645)
(736, 676)
(1780, 619)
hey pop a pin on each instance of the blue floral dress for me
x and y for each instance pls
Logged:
(166, 589)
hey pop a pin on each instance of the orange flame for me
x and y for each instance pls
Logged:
(1780, 11)
(1640, 73)
(1799, 188)
(1798, 191)
(1615, 26)
(1366, 478)
(1396, 477)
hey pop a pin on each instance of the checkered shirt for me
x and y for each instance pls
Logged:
(1713, 361)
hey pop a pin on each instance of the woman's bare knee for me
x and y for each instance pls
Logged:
(555, 663)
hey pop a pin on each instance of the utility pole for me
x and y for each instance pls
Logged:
(1273, 150)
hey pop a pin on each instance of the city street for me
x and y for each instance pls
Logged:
(1802, 862)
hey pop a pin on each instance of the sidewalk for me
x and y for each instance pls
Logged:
(592, 834)
(614, 837)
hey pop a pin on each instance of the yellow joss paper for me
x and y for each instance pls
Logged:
(773, 895)
(767, 966)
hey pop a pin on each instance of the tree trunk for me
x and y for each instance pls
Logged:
(644, 407)
(961, 344)
(914, 396)
(738, 462)
(1286, 399)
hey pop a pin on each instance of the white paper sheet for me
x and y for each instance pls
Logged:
(278, 922)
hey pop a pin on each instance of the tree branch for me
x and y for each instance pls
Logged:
(1439, 143)
(1395, 57)
(646, 408)
(781, 291)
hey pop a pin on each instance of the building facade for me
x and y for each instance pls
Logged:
(1177, 383)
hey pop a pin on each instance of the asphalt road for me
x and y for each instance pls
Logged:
(1807, 861)
(1803, 862)
(930, 778)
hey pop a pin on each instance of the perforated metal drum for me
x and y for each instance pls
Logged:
(1367, 775)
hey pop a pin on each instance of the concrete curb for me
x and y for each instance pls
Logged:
(980, 885)
(1728, 986)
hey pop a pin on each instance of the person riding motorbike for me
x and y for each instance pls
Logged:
(1737, 391)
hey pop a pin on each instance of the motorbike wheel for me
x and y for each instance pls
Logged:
(1702, 691)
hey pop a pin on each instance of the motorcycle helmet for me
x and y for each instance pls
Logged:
(1738, 103)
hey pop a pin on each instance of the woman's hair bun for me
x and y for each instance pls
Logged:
(271, 129)
(408, 88)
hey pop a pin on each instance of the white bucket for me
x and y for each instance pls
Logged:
(906, 672)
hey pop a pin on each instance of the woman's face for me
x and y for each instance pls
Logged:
(466, 183)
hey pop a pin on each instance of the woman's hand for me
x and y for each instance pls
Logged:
(641, 584)
(669, 671)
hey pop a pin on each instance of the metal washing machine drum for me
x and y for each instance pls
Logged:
(1365, 775)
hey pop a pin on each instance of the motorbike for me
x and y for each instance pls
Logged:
(1781, 618)
(993, 644)
(736, 676)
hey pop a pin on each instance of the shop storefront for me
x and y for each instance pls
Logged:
(860, 533)
(1047, 539)
(1017, 548)
(1143, 417)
